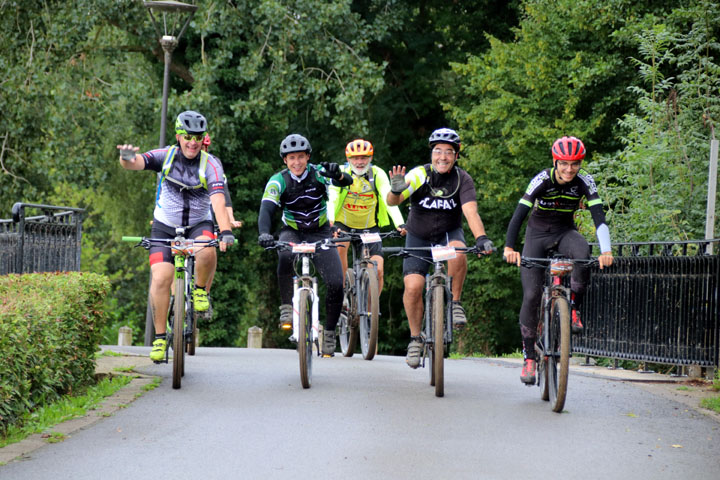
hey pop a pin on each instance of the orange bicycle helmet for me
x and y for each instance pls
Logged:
(359, 148)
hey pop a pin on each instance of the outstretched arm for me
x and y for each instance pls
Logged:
(129, 158)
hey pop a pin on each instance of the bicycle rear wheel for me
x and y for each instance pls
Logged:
(305, 340)
(438, 320)
(178, 340)
(347, 326)
(369, 319)
(559, 360)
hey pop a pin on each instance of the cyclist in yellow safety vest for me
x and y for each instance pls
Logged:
(362, 205)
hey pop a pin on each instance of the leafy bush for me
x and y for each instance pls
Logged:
(50, 326)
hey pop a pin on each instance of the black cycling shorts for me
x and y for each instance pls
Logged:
(374, 248)
(415, 265)
(162, 253)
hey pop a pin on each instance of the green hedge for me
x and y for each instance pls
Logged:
(50, 326)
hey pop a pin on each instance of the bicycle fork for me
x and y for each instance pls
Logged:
(299, 286)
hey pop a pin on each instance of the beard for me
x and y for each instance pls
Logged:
(360, 171)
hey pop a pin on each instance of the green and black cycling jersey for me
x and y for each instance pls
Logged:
(303, 199)
(553, 205)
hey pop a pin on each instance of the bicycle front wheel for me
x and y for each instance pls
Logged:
(438, 321)
(369, 318)
(347, 327)
(559, 359)
(305, 340)
(178, 340)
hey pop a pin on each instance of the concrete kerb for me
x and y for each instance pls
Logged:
(105, 365)
(684, 390)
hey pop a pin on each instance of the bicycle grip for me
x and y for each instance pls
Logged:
(132, 239)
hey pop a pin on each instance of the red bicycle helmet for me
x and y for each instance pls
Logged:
(569, 149)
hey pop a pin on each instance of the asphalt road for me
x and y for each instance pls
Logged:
(241, 413)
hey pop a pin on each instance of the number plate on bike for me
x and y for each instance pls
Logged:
(303, 248)
(182, 247)
(370, 237)
(441, 254)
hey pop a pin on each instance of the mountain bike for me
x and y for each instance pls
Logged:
(305, 301)
(553, 344)
(438, 328)
(361, 301)
(181, 322)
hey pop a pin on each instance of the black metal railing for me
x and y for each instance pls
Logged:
(42, 243)
(658, 304)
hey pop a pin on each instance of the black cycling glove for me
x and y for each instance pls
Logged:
(227, 237)
(484, 243)
(266, 240)
(332, 170)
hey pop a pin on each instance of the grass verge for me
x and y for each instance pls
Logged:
(65, 409)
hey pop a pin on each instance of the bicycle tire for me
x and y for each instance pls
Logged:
(370, 319)
(542, 362)
(559, 361)
(305, 341)
(178, 340)
(438, 319)
(190, 319)
(347, 327)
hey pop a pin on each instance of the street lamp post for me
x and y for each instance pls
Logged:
(172, 14)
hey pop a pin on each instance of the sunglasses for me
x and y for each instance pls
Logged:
(189, 138)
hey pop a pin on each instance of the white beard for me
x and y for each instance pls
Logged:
(360, 171)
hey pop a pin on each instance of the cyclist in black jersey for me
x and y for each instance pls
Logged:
(191, 184)
(554, 195)
(440, 194)
(300, 191)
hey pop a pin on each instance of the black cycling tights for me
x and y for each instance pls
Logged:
(327, 263)
(569, 243)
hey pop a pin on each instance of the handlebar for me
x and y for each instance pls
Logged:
(146, 243)
(410, 251)
(545, 262)
(324, 244)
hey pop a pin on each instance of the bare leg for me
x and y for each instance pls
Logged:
(412, 300)
(162, 277)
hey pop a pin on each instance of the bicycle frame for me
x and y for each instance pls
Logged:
(305, 282)
(553, 289)
(439, 277)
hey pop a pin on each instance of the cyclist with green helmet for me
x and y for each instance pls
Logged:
(191, 184)
(300, 192)
(440, 194)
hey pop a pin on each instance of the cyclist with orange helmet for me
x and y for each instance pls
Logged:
(554, 195)
(361, 205)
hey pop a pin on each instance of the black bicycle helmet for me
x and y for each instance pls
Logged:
(294, 143)
(190, 122)
(445, 135)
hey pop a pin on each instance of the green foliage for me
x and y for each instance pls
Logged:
(81, 77)
(66, 408)
(49, 331)
(667, 139)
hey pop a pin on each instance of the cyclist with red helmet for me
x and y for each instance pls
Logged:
(362, 205)
(554, 195)
(440, 194)
(191, 185)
